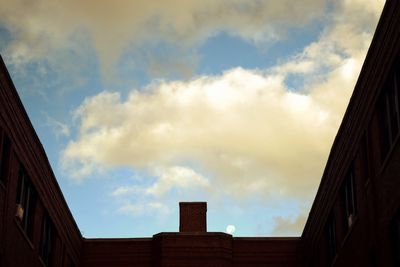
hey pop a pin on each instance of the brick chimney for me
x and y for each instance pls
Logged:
(192, 216)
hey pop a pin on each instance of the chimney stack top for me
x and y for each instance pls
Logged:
(192, 216)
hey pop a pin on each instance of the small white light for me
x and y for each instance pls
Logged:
(230, 229)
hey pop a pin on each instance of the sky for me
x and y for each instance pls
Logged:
(143, 104)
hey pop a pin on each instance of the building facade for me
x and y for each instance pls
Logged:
(355, 217)
(354, 220)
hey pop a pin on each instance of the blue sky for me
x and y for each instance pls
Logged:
(142, 104)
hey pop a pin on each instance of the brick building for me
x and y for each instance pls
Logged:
(354, 220)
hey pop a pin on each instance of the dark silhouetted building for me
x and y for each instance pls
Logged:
(354, 220)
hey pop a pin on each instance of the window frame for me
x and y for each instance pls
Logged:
(331, 238)
(47, 239)
(26, 203)
(389, 113)
(5, 152)
(394, 231)
(349, 195)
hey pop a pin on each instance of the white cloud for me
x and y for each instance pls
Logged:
(289, 226)
(242, 133)
(243, 127)
(43, 28)
(125, 190)
(179, 178)
(246, 132)
(176, 177)
(139, 209)
(59, 128)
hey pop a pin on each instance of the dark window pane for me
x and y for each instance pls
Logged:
(372, 257)
(364, 158)
(384, 128)
(397, 91)
(330, 231)
(31, 212)
(395, 236)
(47, 239)
(389, 113)
(392, 109)
(4, 156)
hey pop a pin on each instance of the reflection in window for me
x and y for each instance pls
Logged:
(26, 202)
(349, 199)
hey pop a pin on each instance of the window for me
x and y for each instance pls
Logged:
(330, 232)
(349, 199)
(4, 155)
(395, 237)
(26, 202)
(389, 114)
(47, 239)
(372, 257)
(364, 159)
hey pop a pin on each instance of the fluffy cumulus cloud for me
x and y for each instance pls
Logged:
(245, 132)
(42, 28)
(242, 133)
(244, 129)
